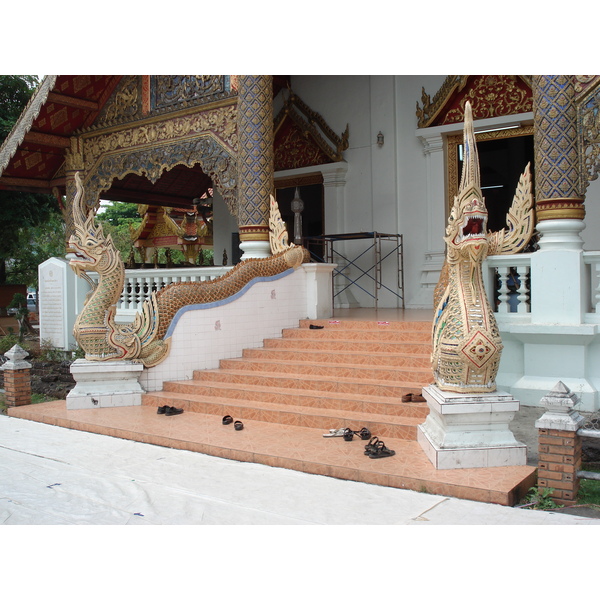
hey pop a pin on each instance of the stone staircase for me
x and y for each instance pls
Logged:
(293, 390)
(348, 374)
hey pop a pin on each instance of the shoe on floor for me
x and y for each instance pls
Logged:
(171, 410)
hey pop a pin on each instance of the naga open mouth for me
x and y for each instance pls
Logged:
(474, 227)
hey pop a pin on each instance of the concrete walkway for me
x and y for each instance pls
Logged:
(50, 475)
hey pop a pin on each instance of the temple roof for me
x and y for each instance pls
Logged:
(33, 155)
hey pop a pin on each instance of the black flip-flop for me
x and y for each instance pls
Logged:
(227, 420)
(238, 425)
(348, 435)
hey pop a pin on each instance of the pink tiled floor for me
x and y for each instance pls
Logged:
(291, 447)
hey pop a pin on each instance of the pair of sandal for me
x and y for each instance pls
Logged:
(348, 434)
(413, 398)
(228, 419)
(169, 411)
(377, 449)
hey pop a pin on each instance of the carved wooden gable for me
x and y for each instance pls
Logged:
(489, 95)
(302, 138)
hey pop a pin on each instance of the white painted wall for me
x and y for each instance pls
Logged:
(385, 186)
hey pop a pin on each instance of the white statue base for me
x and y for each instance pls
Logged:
(101, 384)
(464, 431)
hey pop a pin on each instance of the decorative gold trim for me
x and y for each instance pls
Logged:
(163, 117)
(310, 122)
(253, 233)
(431, 108)
(453, 141)
(560, 208)
(452, 84)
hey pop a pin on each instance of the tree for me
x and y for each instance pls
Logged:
(21, 213)
(15, 91)
(117, 220)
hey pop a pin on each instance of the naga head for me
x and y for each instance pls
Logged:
(466, 232)
(90, 249)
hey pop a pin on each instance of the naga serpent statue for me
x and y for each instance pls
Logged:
(143, 340)
(466, 341)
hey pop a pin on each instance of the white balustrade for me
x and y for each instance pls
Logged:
(513, 292)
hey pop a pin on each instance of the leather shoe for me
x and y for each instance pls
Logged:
(171, 410)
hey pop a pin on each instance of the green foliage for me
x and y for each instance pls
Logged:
(49, 353)
(118, 219)
(7, 342)
(540, 499)
(36, 244)
(589, 492)
(20, 212)
(15, 91)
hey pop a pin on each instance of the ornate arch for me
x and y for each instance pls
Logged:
(152, 162)
(208, 137)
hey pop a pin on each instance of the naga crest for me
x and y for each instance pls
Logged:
(91, 250)
(466, 232)
(466, 341)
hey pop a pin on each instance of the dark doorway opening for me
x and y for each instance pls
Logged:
(312, 214)
(501, 162)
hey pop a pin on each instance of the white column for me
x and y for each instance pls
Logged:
(558, 284)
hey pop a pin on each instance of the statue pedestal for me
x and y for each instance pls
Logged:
(464, 431)
(100, 384)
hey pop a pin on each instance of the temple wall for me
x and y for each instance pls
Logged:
(386, 187)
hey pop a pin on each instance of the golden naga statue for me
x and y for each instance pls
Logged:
(144, 340)
(466, 342)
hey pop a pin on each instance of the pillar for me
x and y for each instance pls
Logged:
(17, 377)
(558, 285)
(559, 445)
(255, 163)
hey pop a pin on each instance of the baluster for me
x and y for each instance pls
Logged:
(597, 289)
(138, 291)
(147, 289)
(126, 295)
(523, 291)
(503, 306)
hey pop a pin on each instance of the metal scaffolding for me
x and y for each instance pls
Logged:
(331, 255)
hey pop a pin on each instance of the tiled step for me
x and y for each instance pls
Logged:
(388, 335)
(322, 419)
(370, 404)
(290, 447)
(421, 375)
(321, 383)
(327, 345)
(378, 325)
(390, 359)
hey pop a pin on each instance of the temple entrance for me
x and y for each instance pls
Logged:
(311, 214)
(502, 161)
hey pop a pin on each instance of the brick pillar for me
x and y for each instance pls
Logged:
(17, 377)
(559, 444)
